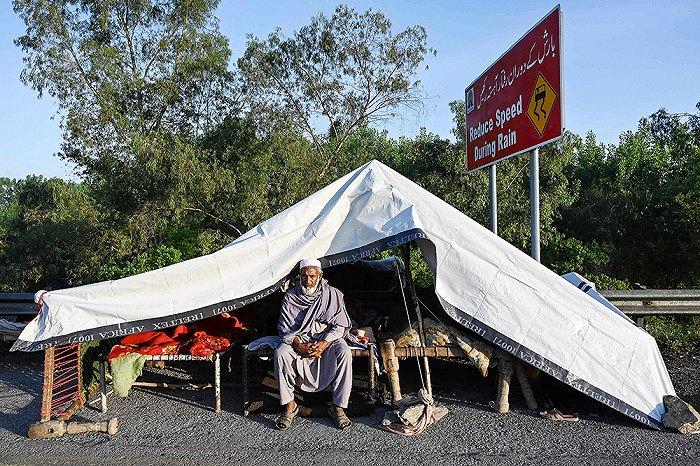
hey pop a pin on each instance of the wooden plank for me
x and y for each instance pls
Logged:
(47, 388)
(430, 352)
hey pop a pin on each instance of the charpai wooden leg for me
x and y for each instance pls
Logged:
(103, 387)
(47, 387)
(525, 386)
(505, 372)
(244, 370)
(506, 366)
(217, 383)
(391, 365)
(371, 374)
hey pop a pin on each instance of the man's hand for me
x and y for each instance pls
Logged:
(318, 348)
(303, 349)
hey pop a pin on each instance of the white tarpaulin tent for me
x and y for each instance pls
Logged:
(483, 282)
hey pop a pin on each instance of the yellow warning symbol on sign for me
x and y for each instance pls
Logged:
(541, 103)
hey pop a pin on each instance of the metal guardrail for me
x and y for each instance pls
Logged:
(15, 307)
(17, 304)
(655, 302)
(631, 302)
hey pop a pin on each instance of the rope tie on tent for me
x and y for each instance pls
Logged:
(431, 312)
(410, 325)
(405, 420)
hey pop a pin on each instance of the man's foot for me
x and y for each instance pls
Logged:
(284, 420)
(339, 417)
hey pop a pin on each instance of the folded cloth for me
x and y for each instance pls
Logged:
(206, 345)
(120, 350)
(125, 370)
(354, 341)
(265, 342)
(181, 332)
(478, 352)
(148, 339)
(414, 415)
(203, 340)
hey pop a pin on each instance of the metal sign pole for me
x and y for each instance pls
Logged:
(513, 118)
(535, 203)
(493, 199)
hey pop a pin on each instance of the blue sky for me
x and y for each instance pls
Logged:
(622, 60)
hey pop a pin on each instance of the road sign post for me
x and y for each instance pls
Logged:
(535, 204)
(515, 106)
(493, 199)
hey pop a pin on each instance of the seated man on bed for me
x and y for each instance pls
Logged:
(313, 353)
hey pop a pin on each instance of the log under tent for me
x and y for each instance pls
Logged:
(483, 283)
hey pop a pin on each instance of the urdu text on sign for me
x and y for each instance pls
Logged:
(516, 104)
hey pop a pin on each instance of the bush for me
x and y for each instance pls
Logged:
(156, 258)
(674, 331)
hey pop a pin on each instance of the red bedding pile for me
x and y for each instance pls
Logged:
(202, 338)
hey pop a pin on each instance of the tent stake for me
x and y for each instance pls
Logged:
(244, 376)
(217, 383)
(371, 373)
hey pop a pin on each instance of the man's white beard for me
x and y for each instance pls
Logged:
(308, 291)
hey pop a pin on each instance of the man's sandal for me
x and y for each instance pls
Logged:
(342, 421)
(556, 415)
(284, 420)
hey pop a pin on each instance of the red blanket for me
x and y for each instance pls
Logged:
(202, 338)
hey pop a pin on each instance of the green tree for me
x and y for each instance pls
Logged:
(267, 170)
(439, 166)
(638, 201)
(138, 84)
(344, 72)
(135, 82)
(8, 206)
(54, 239)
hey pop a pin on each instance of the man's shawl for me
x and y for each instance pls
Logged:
(299, 312)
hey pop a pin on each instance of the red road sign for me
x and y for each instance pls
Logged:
(516, 104)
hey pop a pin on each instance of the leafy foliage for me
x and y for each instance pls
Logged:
(161, 256)
(346, 71)
(639, 200)
(674, 331)
(50, 238)
(135, 81)
(178, 155)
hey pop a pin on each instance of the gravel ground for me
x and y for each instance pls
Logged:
(168, 427)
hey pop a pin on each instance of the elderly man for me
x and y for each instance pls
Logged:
(313, 353)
